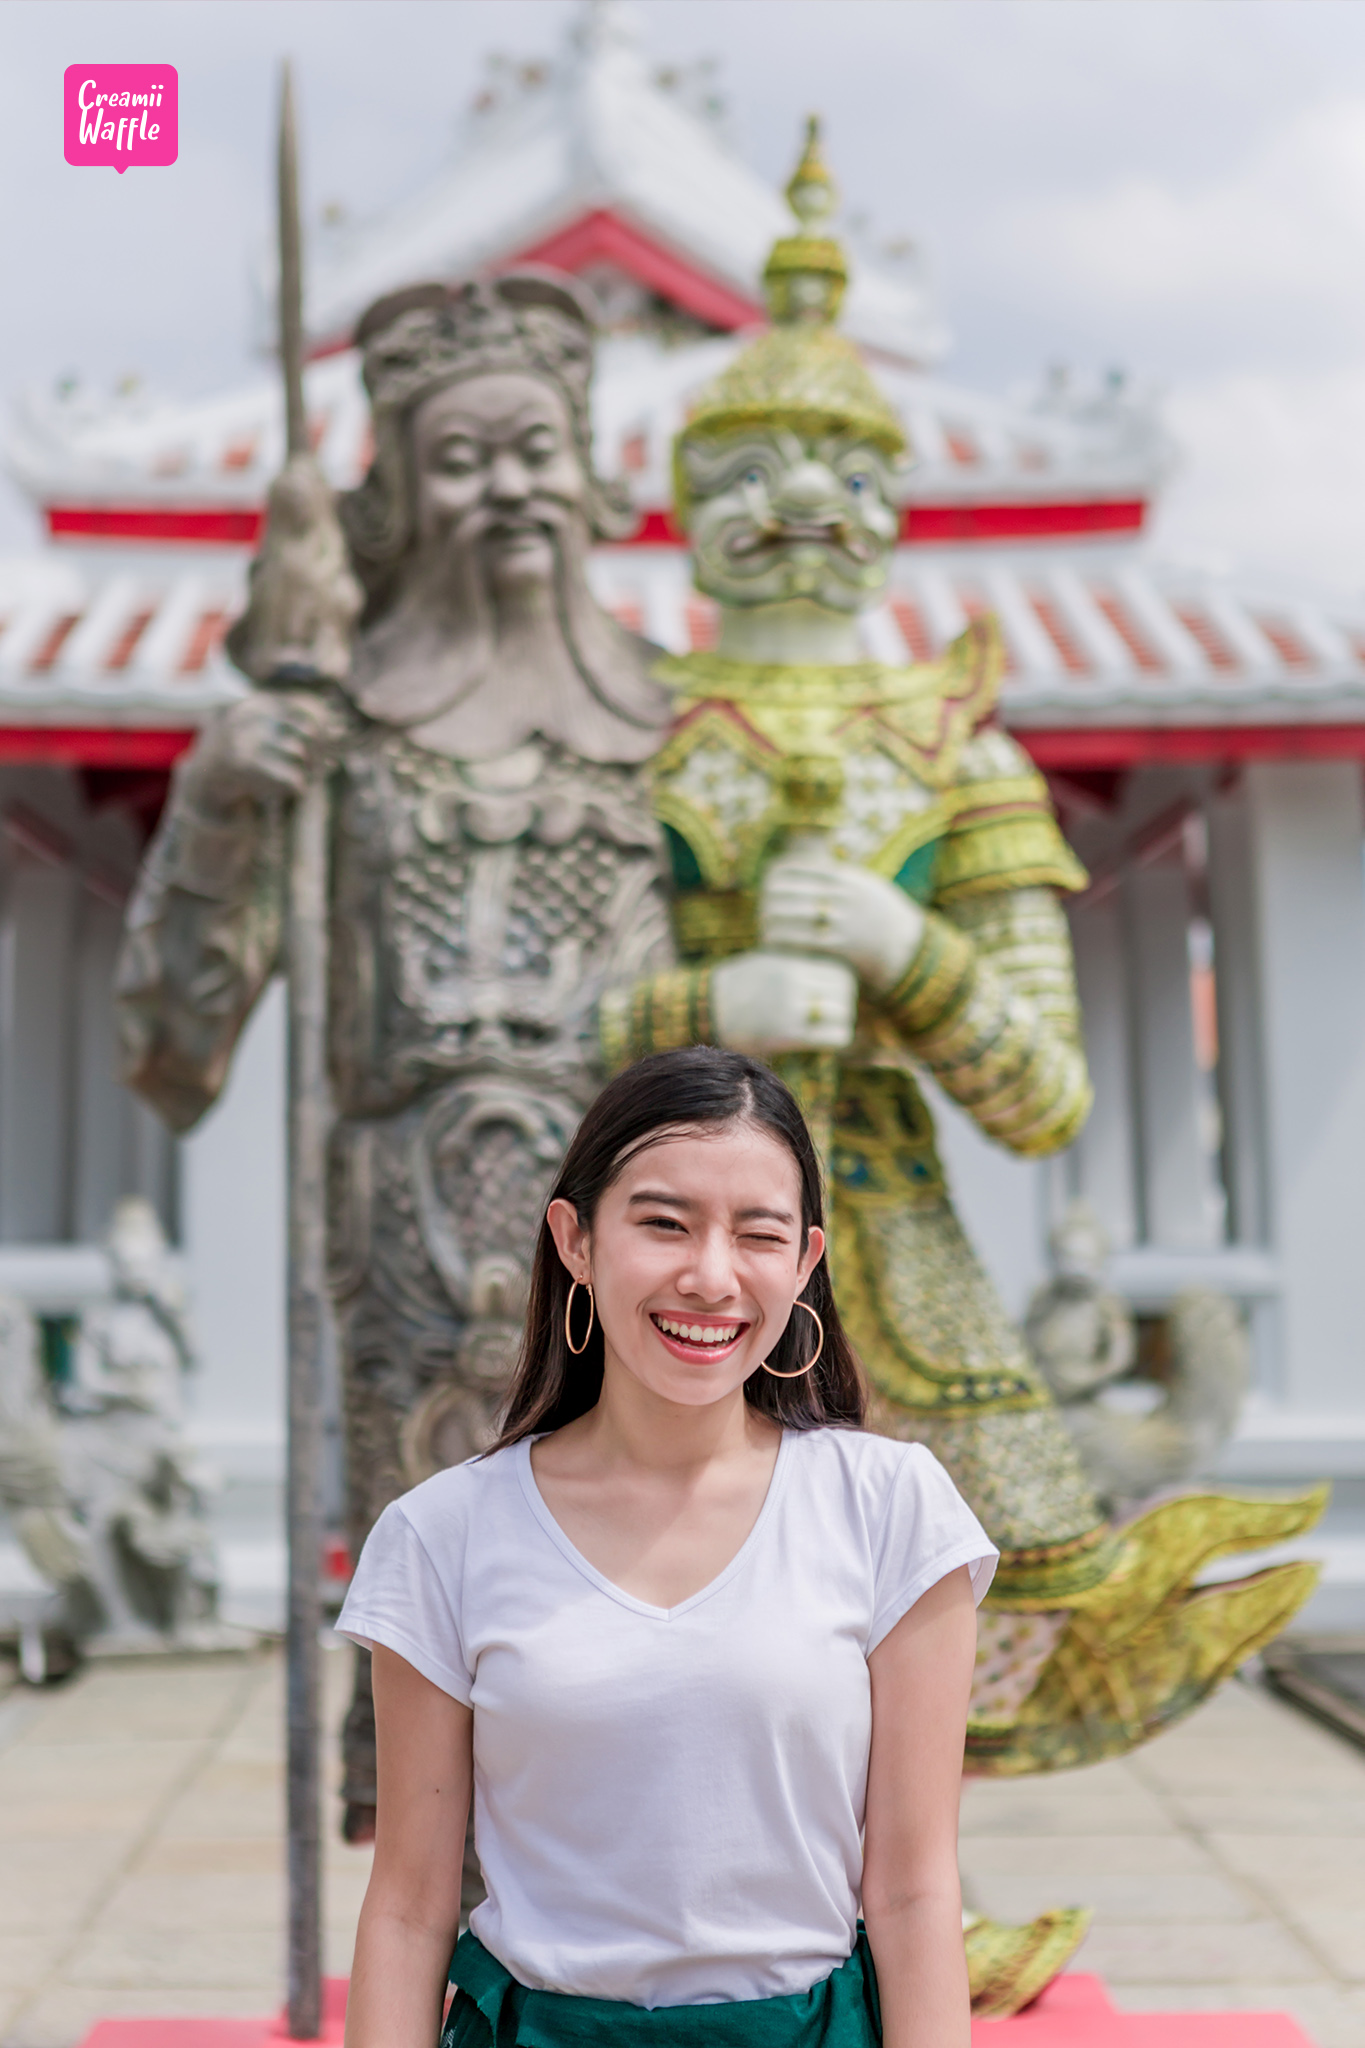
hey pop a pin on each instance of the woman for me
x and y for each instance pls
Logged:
(700, 1644)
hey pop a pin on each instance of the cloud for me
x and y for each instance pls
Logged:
(1272, 479)
(1263, 262)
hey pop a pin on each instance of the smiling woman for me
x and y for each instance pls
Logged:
(699, 1644)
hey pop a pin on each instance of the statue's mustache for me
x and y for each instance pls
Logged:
(545, 515)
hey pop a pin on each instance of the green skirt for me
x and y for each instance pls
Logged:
(491, 2010)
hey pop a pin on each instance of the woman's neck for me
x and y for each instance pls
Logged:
(795, 634)
(631, 1426)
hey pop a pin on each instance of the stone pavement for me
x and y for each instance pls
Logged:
(1225, 1862)
(141, 1869)
(140, 1855)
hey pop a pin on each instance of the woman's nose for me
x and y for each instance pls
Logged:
(710, 1271)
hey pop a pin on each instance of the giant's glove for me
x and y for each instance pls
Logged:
(817, 905)
(777, 1002)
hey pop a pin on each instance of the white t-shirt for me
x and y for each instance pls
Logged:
(668, 1802)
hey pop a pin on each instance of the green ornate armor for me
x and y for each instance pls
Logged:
(951, 810)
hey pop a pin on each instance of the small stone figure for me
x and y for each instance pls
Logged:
(33, 1495)
(1080, 1334)
(1134, 1436)
(96, 1475)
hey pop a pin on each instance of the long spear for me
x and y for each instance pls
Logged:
(308, 1110)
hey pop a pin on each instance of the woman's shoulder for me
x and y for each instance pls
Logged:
(864, 1457)
(451, 1498)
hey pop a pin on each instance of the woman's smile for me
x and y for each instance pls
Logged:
(699, 1337)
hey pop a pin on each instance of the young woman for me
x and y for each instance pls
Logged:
(701, 1645)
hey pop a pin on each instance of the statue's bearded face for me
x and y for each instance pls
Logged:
(776, 516)
(498, 479)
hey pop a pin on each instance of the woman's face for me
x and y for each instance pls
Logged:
(695, 1259)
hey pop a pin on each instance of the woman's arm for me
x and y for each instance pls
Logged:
(411, 1913)
(912, 1902)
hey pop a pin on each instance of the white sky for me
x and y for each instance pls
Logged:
(1176, 186)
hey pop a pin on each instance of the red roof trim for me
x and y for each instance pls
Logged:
(1060, 748)
(928, 523)
(230, 526)
(83, 746)
(1055, 749)
(239, 526)
(604, 237)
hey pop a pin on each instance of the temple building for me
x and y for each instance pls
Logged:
(1204, 739)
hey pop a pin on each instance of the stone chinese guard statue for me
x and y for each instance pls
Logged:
(495, 860)
(866, 872)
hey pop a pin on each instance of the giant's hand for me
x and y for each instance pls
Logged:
(777, 1002)
(304, 598)
(814, 905)
(264, 747)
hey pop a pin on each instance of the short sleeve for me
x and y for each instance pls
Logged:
(397, 1601)
(927, 1531)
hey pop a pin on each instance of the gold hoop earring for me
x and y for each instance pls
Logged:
(818, 1349)
(577, 1349)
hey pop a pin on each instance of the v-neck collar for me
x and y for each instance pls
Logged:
(535, 1500)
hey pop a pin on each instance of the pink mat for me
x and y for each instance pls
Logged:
(1074, 2012)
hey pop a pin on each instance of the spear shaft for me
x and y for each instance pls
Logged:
(308, 1116)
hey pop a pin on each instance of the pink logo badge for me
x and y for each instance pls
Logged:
(121, 114)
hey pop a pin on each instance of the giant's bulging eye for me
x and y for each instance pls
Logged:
(753, 476)
(859, 482)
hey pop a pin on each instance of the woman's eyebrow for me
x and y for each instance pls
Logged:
(656, 1198)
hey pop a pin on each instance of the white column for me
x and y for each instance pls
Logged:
(1237, 972)
(1001, 1200)
(233, 1210)
(1182, 1208)
(1105, 1168)
(1306, 838)
(35, 1048)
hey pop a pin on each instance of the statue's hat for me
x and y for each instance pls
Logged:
(801, 373)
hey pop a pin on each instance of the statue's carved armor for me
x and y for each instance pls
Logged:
(479, 914)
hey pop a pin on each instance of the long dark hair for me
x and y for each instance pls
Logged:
(700, 1088)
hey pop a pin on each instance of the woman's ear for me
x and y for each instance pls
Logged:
(571, 1239)
(810, 1257)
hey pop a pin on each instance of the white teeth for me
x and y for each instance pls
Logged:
(695, 1333)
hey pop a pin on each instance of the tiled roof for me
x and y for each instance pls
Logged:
(1059, 448)
(595, 131)
(1094, 638)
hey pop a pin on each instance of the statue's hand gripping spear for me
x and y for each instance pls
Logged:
(296, 636)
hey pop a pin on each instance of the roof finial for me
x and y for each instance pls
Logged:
(802, 374)
(806, 272)
(811, 191)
